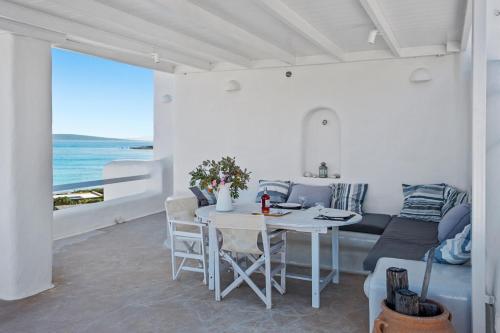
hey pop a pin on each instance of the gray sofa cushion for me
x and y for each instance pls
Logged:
(403, 239)
(312, 194)
(454, 221)
(370, 224)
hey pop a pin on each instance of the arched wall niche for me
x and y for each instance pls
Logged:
(321, 141)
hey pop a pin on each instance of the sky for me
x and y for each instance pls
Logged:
(99, 97)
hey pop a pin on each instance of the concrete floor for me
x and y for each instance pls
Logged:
(118, 279)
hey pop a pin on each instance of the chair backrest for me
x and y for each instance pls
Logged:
(240, 232)
(182, 208)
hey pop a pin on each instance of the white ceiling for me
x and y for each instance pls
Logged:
(191, 35)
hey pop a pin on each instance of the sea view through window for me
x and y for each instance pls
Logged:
(102, 112)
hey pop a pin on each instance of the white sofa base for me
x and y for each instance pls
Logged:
(449, 285)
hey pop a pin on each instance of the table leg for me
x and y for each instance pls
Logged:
(335, 255)
(212, 237)
(315, 269)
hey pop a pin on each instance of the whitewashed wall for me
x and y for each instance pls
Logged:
(493, 183)
(392, 130)
(25, 167)
(123, 202)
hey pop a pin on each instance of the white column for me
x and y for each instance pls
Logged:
(25, 167)
(164, 85)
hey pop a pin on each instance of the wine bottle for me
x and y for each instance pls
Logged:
(265, 202)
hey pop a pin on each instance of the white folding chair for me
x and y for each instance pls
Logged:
(240, 234)
(183, 228)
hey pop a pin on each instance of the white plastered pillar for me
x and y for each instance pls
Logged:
(25, 166)
(164, 106)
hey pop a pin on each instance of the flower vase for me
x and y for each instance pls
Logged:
(224, 201)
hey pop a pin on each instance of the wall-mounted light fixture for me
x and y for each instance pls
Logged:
(232, 86)
(420, 75)
(372, 36)
(166, 98)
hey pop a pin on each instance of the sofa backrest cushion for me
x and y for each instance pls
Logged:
(278, 190)
(454, 251)
(454, 221)
(453, 197)
(312, 194)
(423, 202)
(349, 197)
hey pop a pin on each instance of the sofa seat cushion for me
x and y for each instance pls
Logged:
(370, 224)
(403, 239)
(408, 230)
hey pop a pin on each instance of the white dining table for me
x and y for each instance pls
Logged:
(296, 220)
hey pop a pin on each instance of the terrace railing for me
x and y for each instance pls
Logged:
(101, 182)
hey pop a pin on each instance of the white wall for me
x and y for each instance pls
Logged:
(493, 182)
(25, 167)
(124, 168)
(126, 202)
(393, 131)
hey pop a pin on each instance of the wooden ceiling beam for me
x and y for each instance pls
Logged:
(296, 22)
(161, 35)
(234, 29)
(466, 30)
(62, 41)
(375, 13)
(92, 35)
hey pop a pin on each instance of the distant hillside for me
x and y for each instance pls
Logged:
(80, 137)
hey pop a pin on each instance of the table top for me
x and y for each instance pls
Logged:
(299, 220)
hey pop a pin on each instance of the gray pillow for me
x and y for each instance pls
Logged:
(454, 221)
(312, 194)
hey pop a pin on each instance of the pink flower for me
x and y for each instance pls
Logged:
(222, 182)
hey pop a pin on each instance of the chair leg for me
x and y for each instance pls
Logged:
(217, 276)
(283, 262)
(203, 262)
(172, 249)
(268, 281)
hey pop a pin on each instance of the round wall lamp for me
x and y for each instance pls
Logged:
(420, 75)
(232, 85)
(166, 98)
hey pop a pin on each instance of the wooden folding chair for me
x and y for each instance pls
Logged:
(240, 235)
(183, 228)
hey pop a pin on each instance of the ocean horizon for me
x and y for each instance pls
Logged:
(78, 158)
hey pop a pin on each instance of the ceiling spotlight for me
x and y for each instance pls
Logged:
(372, 36)
(156, 57)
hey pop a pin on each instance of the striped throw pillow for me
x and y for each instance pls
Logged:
(349, 197)
(277, 189)
(454, 251)
(452, 198)
(423, 202)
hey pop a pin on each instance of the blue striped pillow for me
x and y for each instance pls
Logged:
(277, 189)
(423, 202)
(454, 251)
(452, 198)
(349, 197)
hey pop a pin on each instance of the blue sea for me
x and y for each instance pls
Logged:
(76, 160)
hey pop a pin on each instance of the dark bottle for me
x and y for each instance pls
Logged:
(265, 202)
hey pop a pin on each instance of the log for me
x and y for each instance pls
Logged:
(407, 302)
(396, 278)
(428, 309)
(427, 276)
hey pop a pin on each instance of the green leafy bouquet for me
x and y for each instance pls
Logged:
(211, 174)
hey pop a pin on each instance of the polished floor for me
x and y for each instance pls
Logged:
(118, 280)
